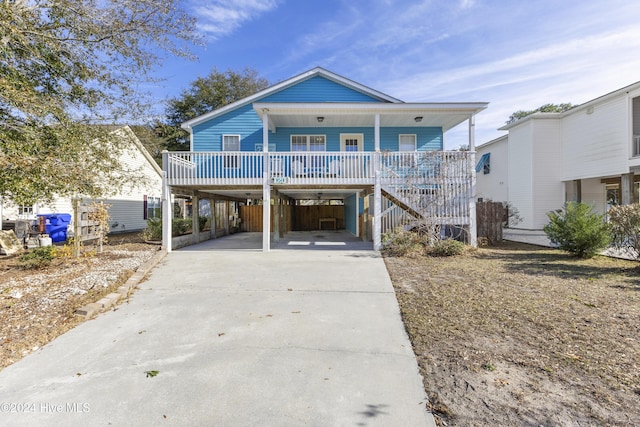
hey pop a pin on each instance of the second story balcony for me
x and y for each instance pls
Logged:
(316, 168)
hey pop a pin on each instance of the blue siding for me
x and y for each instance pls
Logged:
(318, 89)
(244, 121)
(350, 206)
(427, 139)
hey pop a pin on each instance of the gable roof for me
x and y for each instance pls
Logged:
(318, 71)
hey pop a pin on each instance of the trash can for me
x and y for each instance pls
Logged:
(56, 225)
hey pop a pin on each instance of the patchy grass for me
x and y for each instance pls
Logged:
(521, 335)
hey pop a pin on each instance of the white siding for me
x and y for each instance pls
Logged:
(594, 193)
(596, 144)
(494, 185)
(126, 207)
(520, 172)
(548, 189)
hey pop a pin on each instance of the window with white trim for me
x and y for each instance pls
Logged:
(25, 211)
(230, 143)
(308, 143)
(152, 207)
(407, 142)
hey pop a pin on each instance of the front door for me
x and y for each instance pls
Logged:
(351, 142)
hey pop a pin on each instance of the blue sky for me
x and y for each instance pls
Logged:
(517, 55)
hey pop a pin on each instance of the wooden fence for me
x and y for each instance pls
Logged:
(296, 218)
(490, 217)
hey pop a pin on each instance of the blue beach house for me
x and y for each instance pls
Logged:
(319, 136)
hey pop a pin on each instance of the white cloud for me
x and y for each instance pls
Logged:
(219, 18)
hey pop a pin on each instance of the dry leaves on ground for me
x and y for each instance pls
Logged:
(521, 335)
(38, 305)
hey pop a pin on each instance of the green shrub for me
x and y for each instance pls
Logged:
(447, 247)
(402, 242)
(625, 227)
(153, 232)
(577, 229)
(37, 258)
(202, 222)
(180, 226)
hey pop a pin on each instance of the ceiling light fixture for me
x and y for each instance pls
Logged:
(418, 119)
(320, 119)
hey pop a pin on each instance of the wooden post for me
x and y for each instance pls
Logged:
(195, 218)
(76, 227)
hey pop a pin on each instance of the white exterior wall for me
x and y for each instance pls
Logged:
(548, 190)
(520, 173)
(597, 144)
(494, 185)
(126, 207)
(594, 193)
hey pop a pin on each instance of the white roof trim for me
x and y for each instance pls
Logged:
(373, 107)
(622, 91)
(318, 71)
(493, 141)
(136, 141)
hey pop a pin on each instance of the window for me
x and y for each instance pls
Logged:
(308, 143)
(407, 142)
(351, 144)
(230, 143)
(152, 207)
(484, 164)
(25, 211)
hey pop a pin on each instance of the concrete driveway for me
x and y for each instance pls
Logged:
(238, 337)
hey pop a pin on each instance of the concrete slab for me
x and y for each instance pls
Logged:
(238, 337)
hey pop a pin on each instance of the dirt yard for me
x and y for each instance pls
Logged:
(517, 335)
(512, 335)
(38, 305)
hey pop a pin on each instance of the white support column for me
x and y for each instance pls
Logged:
(377, 190)
(266, 186)
(167, 213)
(473, 228)
(265, 132)
(626, 189)
(376, 133)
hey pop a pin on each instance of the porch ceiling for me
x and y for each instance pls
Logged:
(445, 115)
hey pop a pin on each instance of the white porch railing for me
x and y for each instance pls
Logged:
(247, 168)
(416, 170)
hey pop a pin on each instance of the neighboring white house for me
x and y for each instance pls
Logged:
(590, 153)
(129, 208)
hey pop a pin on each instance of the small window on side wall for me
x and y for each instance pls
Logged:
(407, 142)
(231, 143)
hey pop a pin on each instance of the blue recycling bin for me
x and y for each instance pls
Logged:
(56, 225)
